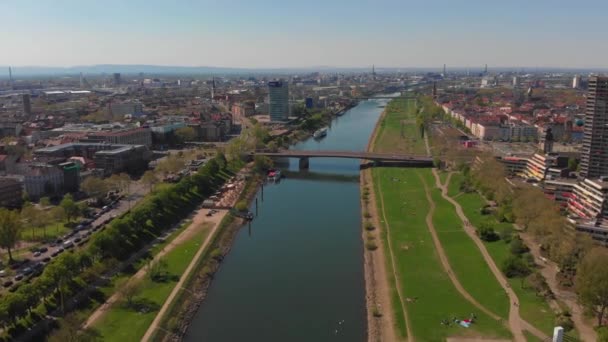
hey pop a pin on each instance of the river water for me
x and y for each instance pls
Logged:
(297, 273)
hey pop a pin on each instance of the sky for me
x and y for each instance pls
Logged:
(296, 33)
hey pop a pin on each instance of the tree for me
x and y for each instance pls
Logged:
(149, 178)
(517, 246)
(57, 214)
(10, 230)
(515, 266)
(45, 202)
(262, 163)
(241, 206)
(572, 164)
(28, 215)
(486, 232)
(94, 187)
(592, 282)
(128, 289)
(69, 206)
(186, 134)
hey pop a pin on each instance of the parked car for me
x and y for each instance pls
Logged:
(7, 283)
(43, 249)
(2, 273)
(37, 254)
(68, 244)
(46, 259)
(27, 271)
(18, 277)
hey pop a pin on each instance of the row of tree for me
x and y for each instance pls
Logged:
(582, 263)
(73, 271)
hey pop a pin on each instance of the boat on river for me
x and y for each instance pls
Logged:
(274, 175)
(320, 133)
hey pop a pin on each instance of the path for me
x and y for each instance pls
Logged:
(516, 323)
(185, 235)
(444, 259)
(379, 329)
(216, 220)
(549, 271)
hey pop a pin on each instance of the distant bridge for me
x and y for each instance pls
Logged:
(381, 158)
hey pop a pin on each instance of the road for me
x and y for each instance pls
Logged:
(77, 240)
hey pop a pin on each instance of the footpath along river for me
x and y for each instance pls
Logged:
(297, 274)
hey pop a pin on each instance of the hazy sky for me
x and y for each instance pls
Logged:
(300, 33)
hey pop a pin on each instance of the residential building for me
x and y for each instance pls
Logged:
(560, 190)
(11, 192)
(109, 157)
(27, 104)
(594, 156)
(42, 179)
(278, 95)
(243, 109)
(134, 108)
(515, 166)
(588, 201)
(127, 136)
(576, 82)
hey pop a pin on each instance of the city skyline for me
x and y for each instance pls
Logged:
(284, 35)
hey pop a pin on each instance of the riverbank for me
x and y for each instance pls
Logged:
(173, 322)
(380, 324)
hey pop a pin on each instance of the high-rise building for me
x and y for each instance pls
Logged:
(278, 104)
(10, 77)
(576, 82)
(116, 78)
(27, 104)
(594, 156)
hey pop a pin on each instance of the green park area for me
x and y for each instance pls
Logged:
(142, 300)
(532, 308)
(428, 294)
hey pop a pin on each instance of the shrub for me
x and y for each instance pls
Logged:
(369, 226)
(376, 312)
(486, 232)
(506, 234)
(563, 320)
(367, 214)
(517, 246)
(371, 246)
(515, 266)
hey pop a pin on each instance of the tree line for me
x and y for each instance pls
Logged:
(583, 265)
(71, 272)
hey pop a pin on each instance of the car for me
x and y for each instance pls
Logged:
(59, 241)
(18, 277)
(78, 239)
(2, 273)
(105, 209)
(27, 271)
(79, 228)
(88, 233)
(209, 214)
(46, 259)
(7, 283)
(60, 250)
(43, 249)
(68, 244)
(37, 254)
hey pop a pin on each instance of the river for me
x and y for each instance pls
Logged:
(297, 273)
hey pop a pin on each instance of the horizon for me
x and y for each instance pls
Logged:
(267, 34)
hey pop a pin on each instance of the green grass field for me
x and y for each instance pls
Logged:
(420, 274)
(400, 117)
(465, 258)
(532, 308)
(125, 324)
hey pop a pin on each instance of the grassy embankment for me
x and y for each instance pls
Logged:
(429, 294)
(123, 323)
(532, 308)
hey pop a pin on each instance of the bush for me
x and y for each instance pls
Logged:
(376, 312)
(367, 215)
(563, 320)
(517, 246)
(507, 234)
(371, 246)
(487, 233)
(369, 226)
(515, 266)
(241, 206)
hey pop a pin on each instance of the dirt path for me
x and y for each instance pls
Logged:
(216, 220)
(549, 271)
(444, 259)
(377, 287)
(516, 323)
(195, 227)
(376, 278)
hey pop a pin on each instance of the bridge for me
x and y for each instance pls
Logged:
(377, 158)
